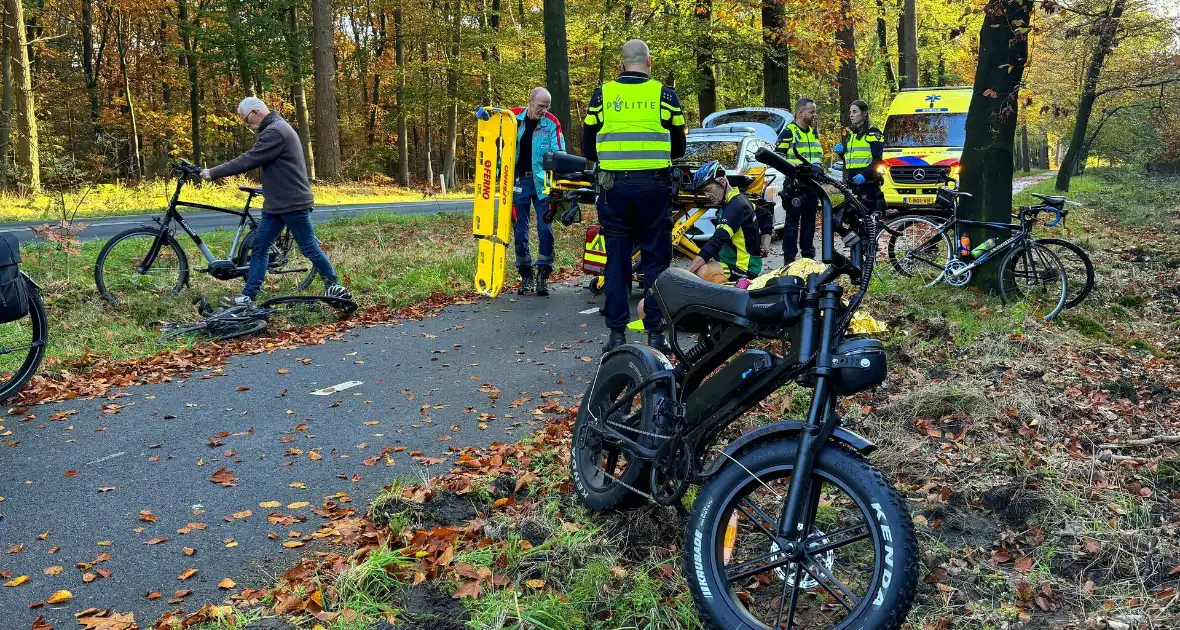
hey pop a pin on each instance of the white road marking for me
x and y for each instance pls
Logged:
(589, 311)
(97, 461)
(336, 388)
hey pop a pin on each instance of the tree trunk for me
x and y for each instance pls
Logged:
(121, 40)
(1107, 27)
(1045, 151)
(427, 161)
(557, 63)
(294, 58)
(776, 79)
(453, 63)
(883, 47)
(907, 44)
(403, 140)
(89, 71)
(327, 130)
(189, 40)
(8, 35)
(27, 150)
(233, 10)
(707, 90)
(1025, 160)
(991, 118)
(846, 36)
(382, 39)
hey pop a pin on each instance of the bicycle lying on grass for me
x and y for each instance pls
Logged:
(239, 321)
(792, 526)
(150, 260)
(1049, 275)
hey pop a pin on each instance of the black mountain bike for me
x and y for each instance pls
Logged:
(239, 321)
(1030, 272)
(149, 260)
(792, 527)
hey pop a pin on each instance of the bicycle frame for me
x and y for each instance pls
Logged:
(173, 214)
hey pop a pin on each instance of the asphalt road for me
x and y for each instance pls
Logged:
(155, 449)
(209, 221)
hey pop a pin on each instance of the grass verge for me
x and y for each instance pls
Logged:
(103, 200)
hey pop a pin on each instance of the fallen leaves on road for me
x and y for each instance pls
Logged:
(267, 505)
(60, 597)
(224, 477)
(298, 504)
(17, 581)
(226, 583)
(189, 551)
(186, 574)
(155, 541)
(104, 619)
(147, 516)
(40, 624)
(54, 570)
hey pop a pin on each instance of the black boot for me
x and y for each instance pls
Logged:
(656, 340)
(618, 337)
(543, 272)
(526, 281)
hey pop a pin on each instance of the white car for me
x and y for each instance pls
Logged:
(732, 137)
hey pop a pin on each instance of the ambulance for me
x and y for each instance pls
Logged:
(924, 134)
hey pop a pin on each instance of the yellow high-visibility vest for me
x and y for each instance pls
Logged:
(805, 142)
(633, 137)
(857, 152)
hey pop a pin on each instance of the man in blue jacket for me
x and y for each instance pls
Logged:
(538, 132)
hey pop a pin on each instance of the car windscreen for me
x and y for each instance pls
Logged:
(701, 151)
(925, 130)
(770, 119)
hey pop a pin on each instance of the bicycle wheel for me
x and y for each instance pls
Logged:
(306, 310)
(288, 268)
(22, 345)
(117, 271)
(1078, 268)
(859, 566)
(1032, 275)
(603, 473)
(919, 250)
(238, 328)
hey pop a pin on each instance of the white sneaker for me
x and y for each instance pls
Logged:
(241, 300)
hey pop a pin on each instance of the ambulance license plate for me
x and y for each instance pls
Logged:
(920, 200)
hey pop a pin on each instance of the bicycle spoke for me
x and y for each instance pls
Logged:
(758, 565)
(764, 523)
(823, 576)
(794, 586)
(863, 533)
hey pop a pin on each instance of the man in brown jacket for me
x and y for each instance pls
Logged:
(287, 202)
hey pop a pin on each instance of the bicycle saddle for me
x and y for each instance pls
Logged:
(253, 190)
(1052, 200)
(678, 289)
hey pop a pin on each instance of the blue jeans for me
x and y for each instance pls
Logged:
(269, 227)
(524, 195)
(634, 212)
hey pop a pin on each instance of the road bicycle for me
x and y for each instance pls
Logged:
(239, 321)
(791, 525)
(1030, 272)
(150, 260)
(23, 342)
(1079, 269)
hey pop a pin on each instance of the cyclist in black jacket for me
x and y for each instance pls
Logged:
(734, 251)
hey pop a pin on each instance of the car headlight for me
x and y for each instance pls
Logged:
(881, 169)
(955, 170)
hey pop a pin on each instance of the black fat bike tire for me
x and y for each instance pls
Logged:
(591, 487)
(1076, 296)
(884, 606)
(182, 259)
(36, 353)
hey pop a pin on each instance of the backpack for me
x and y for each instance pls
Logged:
(14, 293)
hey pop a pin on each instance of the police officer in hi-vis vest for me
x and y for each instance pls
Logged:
(862, 150)
(634, 129)
(799, 143)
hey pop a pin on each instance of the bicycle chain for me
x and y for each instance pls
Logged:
(625, 484)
